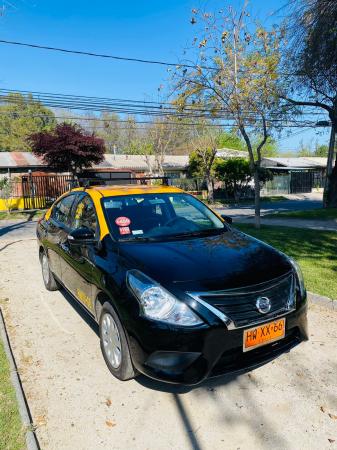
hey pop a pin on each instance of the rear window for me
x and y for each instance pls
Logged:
(158, 216)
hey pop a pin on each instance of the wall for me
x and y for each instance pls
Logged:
(14, 203)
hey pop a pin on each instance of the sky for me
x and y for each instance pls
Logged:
(146, 29)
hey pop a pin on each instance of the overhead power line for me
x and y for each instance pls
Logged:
(128, 107)
(102, 102)
(128, 59)
(286, 123)
(102, 55)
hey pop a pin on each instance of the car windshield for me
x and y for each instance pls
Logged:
(159, 216)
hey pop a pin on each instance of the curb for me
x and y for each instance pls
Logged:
(31, 440)
(320, 300)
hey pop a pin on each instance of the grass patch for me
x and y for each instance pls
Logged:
(314, 250)
(24, 215)
(314, 214)
(11, 429)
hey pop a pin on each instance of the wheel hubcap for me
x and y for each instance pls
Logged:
(45, 269)
(111, 341)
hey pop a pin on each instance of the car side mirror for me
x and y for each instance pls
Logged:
(81, 236)
(227, 218)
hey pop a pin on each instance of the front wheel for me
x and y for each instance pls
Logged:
(114, 344)
(48, 278)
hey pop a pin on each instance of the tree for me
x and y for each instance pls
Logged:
(304, 150)
(230, 140)
(108, 127)
(202, 159)
(269, 149)
(6, 191)
(312, 58)
(20, 117)
(154, 142)
(68, 148)
(235, 173)
(321, 150)
(161, 137)
(235, 73)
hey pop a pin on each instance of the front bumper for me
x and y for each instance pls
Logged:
(190, 356)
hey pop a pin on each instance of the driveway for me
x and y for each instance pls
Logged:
(75, 403)
(17, 229)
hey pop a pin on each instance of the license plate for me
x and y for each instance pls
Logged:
(264, 334)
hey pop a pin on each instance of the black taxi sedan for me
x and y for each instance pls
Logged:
(178, 293)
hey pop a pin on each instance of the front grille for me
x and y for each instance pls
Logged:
(239, 305)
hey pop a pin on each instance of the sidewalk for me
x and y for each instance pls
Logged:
(322, 225)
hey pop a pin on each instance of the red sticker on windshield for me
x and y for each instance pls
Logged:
(124, 230)
(122, 221)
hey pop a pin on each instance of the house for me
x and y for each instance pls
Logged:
(20, 163)
(295, 175)
(113, 166)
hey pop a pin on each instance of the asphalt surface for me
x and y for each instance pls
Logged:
(75, 403)
(299, 202)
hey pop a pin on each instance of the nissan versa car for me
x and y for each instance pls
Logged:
(178, 293)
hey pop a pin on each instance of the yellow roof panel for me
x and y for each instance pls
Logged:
(116, 190)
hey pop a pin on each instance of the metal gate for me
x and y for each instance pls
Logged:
(39, 192)
(301, 182)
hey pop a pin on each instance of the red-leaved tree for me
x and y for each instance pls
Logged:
(68, 148)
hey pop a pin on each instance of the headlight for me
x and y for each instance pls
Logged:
(299, 277)
(157, 303)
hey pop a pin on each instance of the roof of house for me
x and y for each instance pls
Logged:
(139, 162)
(19, 159)
(231, 153)
(113, 162)
(130, 162)
(304, 162)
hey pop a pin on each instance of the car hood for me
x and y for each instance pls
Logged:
(228, 260)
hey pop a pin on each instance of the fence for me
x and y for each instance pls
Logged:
(279, 185)
(39, 192)
(294, 182)
(33, 192)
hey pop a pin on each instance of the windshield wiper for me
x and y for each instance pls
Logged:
(137, 239)
(210, 231)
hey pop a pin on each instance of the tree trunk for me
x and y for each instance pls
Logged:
(329, 172)
(331, 199)
(210, 189)
(257, 198)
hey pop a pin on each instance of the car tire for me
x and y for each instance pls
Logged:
(48, 278)
(114, 344)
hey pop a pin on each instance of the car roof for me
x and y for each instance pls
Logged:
(129, 189)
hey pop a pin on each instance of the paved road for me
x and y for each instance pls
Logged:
(289, 404)
(299, 202)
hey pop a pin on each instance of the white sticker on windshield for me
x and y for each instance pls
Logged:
(112, 204)
(156, 201)
(137, 232)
